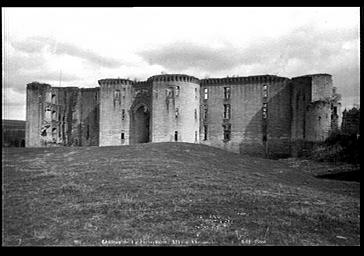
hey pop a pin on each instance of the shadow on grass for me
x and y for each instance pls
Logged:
(345, 176)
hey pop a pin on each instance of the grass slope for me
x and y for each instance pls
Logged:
(170, 194)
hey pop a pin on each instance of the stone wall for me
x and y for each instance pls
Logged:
(89, 116)
(257, 115)
(279, 117)
(37, 95)
(116, 96)
(246, 120)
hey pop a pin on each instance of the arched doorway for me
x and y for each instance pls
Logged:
(140, 127)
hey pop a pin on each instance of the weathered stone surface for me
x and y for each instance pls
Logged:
(264, 115)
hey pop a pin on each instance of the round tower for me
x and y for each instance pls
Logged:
(115, 102)
(175, 108)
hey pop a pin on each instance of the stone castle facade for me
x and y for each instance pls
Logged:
(257, 115)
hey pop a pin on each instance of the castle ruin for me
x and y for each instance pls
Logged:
(264, 115)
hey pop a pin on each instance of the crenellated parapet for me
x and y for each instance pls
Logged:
(37, 85)
(114, 82)
(142, 84)
(244, 80)
(173, 78)
(310, 76)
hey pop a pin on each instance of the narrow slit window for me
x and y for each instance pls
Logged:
(205, 130)
(123, 114)
(205, 112)
(87, 132)
(122, 137)
(176, 136)
(226, 93)
(177, 91)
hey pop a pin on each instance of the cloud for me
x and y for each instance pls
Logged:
(39, 44)
(304, 50)
(305, 43)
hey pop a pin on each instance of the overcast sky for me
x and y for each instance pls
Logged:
(83, 45)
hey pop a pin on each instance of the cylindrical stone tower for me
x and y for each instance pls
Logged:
(115, 102)
(175, 111)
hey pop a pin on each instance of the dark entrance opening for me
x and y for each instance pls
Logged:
(141, 125)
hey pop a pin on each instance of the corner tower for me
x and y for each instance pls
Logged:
(175, 110)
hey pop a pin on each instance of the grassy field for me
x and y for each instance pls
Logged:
(171, 194)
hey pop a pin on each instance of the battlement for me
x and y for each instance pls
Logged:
(243, 80)
(312, 76)
(173, 78)
(37, 85)
(142, 84)
(115, 81)
(95, 89)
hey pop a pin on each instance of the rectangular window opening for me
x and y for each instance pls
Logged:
(227, 111)
(206, 93)
(117, 95)
(227, 132)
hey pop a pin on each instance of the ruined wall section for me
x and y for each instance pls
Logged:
(115, 96)
(69, 97)
(318, 124)
(312, 107)
(55, 115)
(175, 108)
(321, 86)
(301, 98)
(37, 96)
(89, 116)
(311, 111)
